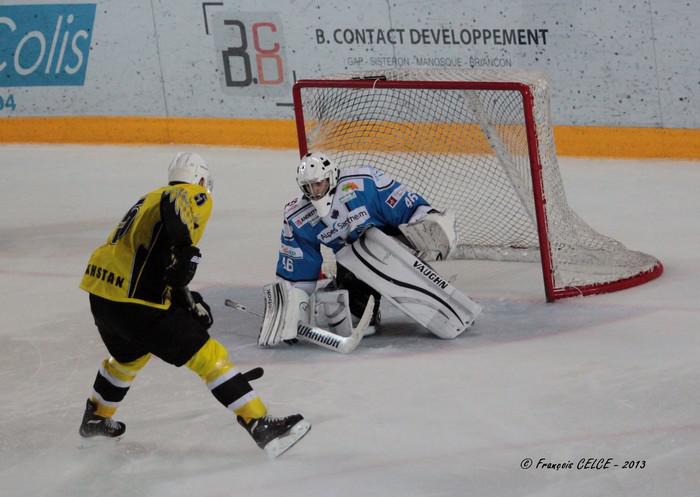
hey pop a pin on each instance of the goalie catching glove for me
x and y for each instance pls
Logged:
(433, 236)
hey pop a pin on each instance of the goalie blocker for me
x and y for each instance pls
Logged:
(409, 284)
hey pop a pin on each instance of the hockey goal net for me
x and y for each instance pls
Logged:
(479, 143)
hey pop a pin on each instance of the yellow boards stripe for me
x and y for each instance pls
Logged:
(149, 130)
(280, 133)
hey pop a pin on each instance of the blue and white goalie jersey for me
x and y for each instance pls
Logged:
(364, 197)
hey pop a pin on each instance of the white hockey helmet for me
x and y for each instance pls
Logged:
(317, 176)
(189, 167)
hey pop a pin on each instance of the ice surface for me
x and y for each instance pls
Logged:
(612, 376)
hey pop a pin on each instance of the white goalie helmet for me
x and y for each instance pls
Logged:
(189, 167)
(317, 176)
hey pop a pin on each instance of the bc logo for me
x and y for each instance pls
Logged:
(45, 45)
(252, 51)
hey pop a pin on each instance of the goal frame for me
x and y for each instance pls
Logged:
(552, 293)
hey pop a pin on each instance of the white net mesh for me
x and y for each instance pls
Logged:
(467, 150)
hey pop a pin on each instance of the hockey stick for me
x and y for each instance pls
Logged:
(321, 337)
(331, 341)
(240, 307)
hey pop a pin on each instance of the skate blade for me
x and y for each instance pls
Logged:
(281, 444)
(97, 441)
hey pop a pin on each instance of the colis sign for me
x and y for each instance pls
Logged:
(45, 45)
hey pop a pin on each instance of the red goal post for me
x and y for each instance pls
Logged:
(479, 143)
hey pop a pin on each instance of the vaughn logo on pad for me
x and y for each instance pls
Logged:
(45, 45)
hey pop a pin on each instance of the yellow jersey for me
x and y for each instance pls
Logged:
(130, 265)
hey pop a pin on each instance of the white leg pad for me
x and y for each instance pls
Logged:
(285, 306)
(409, 284)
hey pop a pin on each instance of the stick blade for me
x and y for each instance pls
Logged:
(235, 305)
(359, 331)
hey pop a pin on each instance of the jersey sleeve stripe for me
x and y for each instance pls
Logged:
(286, 278)
(300, 209)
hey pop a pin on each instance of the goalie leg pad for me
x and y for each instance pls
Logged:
(285, 306)
(409, 283)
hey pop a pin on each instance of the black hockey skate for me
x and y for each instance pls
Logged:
(98, 426)
(276, 435)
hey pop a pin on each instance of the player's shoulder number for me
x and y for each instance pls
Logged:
(126, 222)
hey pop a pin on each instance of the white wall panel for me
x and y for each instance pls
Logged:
(631, 63)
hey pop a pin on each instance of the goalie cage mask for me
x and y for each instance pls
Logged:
(317, 168)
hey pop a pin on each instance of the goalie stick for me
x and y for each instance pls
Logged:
(321, 337)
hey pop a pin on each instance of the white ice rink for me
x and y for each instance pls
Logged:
(612, 376)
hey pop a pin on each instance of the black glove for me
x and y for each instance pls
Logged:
(253, 374)
(183, 265)
(194, 304)
(201, 310)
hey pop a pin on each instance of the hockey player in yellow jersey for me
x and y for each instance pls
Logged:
(138, 287)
